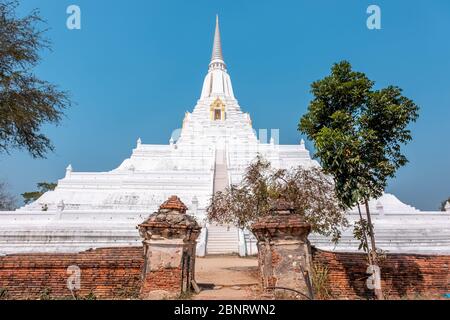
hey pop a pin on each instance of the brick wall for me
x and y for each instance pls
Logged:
(105, 273)
(116, 273)
(163, 279)
(403, 275)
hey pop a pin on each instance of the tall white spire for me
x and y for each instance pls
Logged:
(217, 48)
(217, 82)
(217, 61)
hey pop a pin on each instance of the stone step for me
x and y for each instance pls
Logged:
(221, 228)
(228, 242)
(233, 233)
(213, 232)
(228, 245)
(224, 237)
(222, 240)
(210, 253)
(223, 244)
(222, 250)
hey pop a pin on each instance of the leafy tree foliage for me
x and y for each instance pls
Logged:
(26, 102)
(358, 133)
(43, 187)
(309, 191)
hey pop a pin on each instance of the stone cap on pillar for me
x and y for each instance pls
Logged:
(174, 203)
(281, 223)
(281, 206)
(170, 222)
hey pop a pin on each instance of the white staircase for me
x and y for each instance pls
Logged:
(221, 239)
(220, 171)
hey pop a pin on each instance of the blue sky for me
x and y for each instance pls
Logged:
(136, 66)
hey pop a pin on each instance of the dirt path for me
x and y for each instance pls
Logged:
(227, 277)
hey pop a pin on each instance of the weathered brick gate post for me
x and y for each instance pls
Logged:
(169, 246)
(284, 252)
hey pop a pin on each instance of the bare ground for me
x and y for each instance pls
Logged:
(227, 278)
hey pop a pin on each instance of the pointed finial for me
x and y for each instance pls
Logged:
(217, 56)
(69, 170)
(217, 48)
(302, 144)
(139, 142)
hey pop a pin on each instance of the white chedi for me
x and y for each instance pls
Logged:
(215, 145)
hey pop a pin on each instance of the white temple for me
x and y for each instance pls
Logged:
(216, 143)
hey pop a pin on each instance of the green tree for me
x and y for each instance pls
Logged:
(310, 192)
(43, 187)
(358, 133)
(26, 102)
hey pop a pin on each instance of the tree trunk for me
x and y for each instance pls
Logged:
(378, 291)
(369, 256)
